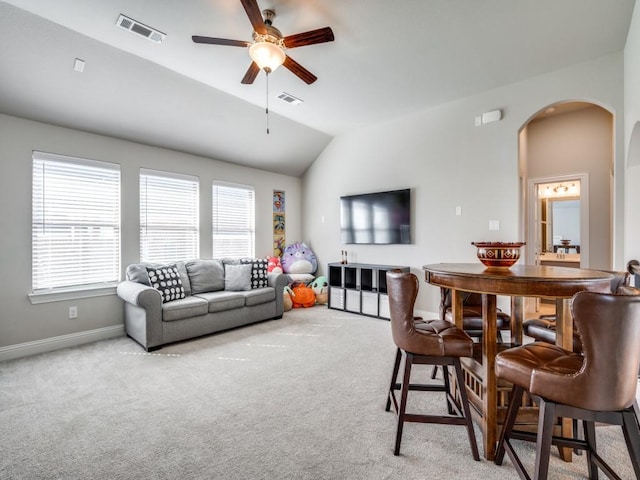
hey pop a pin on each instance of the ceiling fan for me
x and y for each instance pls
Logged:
(267, 50)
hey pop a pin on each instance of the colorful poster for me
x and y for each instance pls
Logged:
(278, 201)
(279, 223)
(278, 245)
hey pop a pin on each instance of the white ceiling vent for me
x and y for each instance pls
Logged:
(141, 29)
(286, 97)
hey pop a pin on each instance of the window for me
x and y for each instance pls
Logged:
(168, 216)
(75, 223)
(233, 220)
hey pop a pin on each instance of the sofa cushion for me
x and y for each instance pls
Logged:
(137, 272)
(184, 308)
(258, 271)
(205, 275)
(237, 278)
(261, 295)
(166, 280)
(221, 301)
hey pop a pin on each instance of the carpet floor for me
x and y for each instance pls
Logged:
(298, 398)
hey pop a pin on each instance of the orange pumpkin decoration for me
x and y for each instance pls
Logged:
(303, 296)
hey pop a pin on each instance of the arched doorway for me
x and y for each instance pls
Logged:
(565, 141)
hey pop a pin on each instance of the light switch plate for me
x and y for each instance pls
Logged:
(494, 224)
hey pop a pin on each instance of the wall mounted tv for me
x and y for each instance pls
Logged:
(380, 218)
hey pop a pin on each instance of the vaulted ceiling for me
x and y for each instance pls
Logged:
(388, 59)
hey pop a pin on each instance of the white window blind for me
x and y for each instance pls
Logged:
(233, 220)
(168, 216)
(75, 223)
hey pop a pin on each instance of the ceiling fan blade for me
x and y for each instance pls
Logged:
(220, 41)
(255, 16)
(298, 70)
(251, 74)
(320, 35)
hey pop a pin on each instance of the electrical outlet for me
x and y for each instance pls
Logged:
(73, 312)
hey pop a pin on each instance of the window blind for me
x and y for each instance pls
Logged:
(75, 223)
(169, 216)
(233, 220)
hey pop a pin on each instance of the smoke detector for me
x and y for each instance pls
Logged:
(140, 28)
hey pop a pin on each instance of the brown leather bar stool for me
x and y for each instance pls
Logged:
(598, 385)
(544, 328)
(471, 316)
(471, 313)
(426, 342)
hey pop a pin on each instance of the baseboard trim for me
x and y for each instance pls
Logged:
(56, 343)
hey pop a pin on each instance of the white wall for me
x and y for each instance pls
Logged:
(448, 162)
(22, 322)
(632, 137)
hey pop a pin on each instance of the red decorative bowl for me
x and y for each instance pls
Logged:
(498, 254)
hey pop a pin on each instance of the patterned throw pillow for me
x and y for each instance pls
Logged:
(258, 271)
(166, 280)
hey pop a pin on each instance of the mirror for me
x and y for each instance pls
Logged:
(560, 225)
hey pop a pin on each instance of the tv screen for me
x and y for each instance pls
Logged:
(376, 218)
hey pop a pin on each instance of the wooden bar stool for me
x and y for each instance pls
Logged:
(427, 342)
(598, 385)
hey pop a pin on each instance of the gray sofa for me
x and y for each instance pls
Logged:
(218, 294)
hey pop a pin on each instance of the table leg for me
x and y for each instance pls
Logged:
(490, 387)
(564, 339)
(517, 317)
(457, 299)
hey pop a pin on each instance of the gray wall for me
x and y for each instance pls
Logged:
(22, 322)
(448, 162)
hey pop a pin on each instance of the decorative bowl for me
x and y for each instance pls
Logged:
(498, 254)
(565, 242)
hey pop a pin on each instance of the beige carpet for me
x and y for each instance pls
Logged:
(297, 398)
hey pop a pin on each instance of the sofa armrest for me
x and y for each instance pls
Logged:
(142, 313)
(278, 281)
(139, 295)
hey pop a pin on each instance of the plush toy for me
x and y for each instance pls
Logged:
(287, 302)
(299, 258)
(320, 287)
(274, 265)
(303, 296)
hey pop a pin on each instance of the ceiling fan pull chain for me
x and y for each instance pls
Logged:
(267, 110)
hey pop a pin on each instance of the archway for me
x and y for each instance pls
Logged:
(566, 140)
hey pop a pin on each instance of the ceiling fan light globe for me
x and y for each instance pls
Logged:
(267, 55)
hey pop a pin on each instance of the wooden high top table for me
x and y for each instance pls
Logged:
(489, 399)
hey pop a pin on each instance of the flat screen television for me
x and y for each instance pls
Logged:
(380, 218)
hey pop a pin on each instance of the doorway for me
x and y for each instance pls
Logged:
(559, 209)
(562, 144)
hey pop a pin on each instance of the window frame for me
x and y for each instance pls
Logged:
(44, 294)
(251, 217)
(192, 226)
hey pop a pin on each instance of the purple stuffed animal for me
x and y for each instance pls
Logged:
(298, 258)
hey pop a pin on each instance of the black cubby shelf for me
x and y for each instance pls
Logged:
(360, 288)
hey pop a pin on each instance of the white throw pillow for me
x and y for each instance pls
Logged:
(237, 278)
